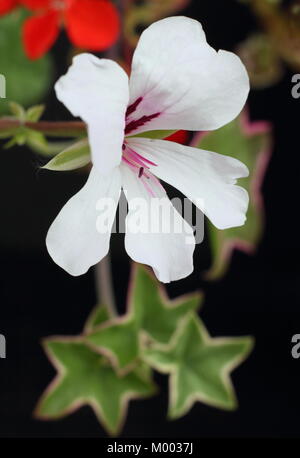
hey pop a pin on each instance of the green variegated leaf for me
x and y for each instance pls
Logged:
(87, 378)
(251, 144)
(99, 315)
(150, 313)
(27, 81)
(74, 157)
(199, 366)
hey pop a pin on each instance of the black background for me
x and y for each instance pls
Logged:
(259, 296)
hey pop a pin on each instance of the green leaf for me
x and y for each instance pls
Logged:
(75, 156)
(251, 144)
(199, 366)
(26, 81)
(87, 378)
(39, 144)
(33, 114)
(99, 315)
(262, 60)
(150, 313)
(17, 110)
(18, 138)
(155, 134)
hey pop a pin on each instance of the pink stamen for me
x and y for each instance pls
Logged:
(148, 188)
(141, 157)
(134, 159)
(132, 166)
(140, 165)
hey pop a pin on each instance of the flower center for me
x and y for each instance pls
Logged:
(136, 162)
(140, 165)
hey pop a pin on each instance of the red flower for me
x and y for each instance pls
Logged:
(7, 5)
(181, 136)
(90, 24)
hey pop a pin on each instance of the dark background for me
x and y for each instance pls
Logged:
(259, 296)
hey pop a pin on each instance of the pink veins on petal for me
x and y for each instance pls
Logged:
(132, 125)
(132, 108)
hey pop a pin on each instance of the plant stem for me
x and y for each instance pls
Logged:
(104, 285)
(54, 129)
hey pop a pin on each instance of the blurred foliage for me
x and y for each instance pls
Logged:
(263, 63)
(27, 81)
(279, 40)
(23, 133)
(110, 363)
(251, 144)
(139, 15)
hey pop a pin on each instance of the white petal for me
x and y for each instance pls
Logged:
(74, 242)
(162, 240)
(97, 91)
(180, 76)
(207, 179)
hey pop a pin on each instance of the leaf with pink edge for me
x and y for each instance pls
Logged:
(250, 142)
(199, 366)
(87, 378)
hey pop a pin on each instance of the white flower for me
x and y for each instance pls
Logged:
(177, 82)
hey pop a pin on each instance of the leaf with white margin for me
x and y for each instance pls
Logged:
(87, 378)
(74, 157)
(199, 366)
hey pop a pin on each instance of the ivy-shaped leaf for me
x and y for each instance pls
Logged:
(87, 378)
(199, 366)
(150, 313)
(26, 81)
(251, 144)
(99, 315)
